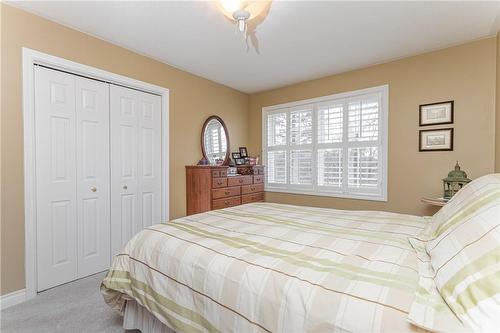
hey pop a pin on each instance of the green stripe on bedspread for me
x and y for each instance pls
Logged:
(122, 281)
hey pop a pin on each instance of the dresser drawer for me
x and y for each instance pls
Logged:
(224, 203)
(219, 173)
(219, 182)
(239, 180)
(258, 179)
(226, 192)
(247, 189)
(258, 170)
(247, 198)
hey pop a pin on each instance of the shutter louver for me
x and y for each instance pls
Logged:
(330, 123)
(363, 168)
(330, 167)
(363, 119)
(301, 167)
(301, 127)
(276, 129)
(276, 167)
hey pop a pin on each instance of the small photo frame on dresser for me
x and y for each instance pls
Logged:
(436, 113)
(239, 161)
(436, 140)
(243, 152)
(236, 155)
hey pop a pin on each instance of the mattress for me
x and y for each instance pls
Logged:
(265, 267)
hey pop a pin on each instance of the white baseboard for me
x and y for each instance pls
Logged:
(12, 298)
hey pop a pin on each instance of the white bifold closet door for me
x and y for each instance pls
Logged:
(72, 176)
(98, 172)
(135, 163)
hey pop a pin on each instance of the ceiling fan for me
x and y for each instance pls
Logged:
(241, 12)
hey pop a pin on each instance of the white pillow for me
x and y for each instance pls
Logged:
(464, 250)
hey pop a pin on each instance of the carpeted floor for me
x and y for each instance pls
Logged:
(73, 307)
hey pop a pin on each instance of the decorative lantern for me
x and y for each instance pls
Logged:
(454, 182)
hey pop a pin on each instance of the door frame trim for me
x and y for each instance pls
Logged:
(30, 58)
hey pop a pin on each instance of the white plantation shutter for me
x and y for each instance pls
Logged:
(363, 168)
(363, 118)
(276, 159)
(330, 122)
(330, 132)
(334, 145)
(330, 167)
(300, 147)
(276, 129)
(301, 126)
(276, 167)
(301, 167)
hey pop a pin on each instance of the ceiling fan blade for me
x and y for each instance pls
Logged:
(244, 4)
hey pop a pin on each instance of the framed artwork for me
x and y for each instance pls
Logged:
(436, 113)
(236, 155)
(243, 152)
(239, 161)
(436, 140)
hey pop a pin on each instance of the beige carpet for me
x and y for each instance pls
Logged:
(73, 307)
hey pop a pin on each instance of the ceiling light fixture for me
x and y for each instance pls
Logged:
(241, 12)
(241, 16)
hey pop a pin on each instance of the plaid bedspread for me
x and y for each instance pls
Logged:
(267, 267)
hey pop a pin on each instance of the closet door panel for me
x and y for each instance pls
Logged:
(125, 210)
(93, 175)
(56, 215)
(150, 158)
(135, 163)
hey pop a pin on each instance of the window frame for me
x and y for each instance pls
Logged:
(314, 189)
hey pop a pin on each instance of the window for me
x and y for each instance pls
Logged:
(333, 145)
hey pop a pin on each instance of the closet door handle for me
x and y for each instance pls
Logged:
(93, 188)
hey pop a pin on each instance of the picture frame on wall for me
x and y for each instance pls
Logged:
(436, 113)
(435, 140)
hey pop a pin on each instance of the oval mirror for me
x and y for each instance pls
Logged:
(215, 141)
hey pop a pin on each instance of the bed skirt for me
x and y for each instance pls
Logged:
(136, 317)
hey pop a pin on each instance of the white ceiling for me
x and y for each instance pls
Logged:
(298, 41)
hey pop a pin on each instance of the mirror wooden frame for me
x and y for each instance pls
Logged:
(219, 119)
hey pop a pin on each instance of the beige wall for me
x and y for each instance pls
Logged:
(464, 73)
(497, 132)
(192, 99)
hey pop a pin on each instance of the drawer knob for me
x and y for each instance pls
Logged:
(252, 188)
(240, 180)
(227, 193)
(226, 203)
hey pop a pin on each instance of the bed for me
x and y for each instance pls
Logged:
(265, 267)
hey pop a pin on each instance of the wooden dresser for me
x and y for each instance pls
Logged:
(209, 188)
